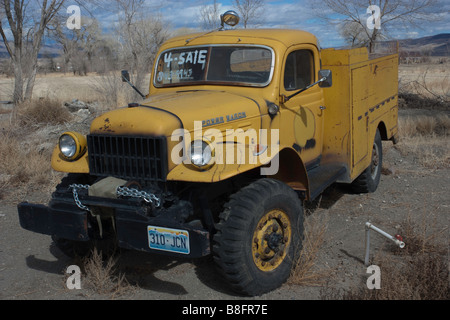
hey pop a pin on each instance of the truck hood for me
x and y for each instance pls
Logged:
(162, 114)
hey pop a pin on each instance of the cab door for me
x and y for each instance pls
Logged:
(302, 117)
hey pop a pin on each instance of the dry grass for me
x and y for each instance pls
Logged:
(418, 272)
(26, 148)
(423, 234)
(44, 111)
(425, 87)
(426, 137)
(422, 277)
(56, 86)
(107, 90)
(306, 271)
(101, 276)
(426, 81)
(112, 92)
(424, 126)
(22, 167)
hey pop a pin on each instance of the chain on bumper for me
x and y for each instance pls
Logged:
(120, 192)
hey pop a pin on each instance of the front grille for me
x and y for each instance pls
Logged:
(142, 159)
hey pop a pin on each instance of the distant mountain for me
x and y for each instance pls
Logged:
(46, 51)
(438, 45)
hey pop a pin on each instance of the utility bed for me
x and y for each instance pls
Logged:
(364, 94)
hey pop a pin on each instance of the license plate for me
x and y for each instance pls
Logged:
(169, 240)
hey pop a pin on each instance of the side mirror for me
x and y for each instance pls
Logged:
(327, 75)
(125, 76)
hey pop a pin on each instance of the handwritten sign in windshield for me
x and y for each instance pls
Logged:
(238, 65)
(191, 57)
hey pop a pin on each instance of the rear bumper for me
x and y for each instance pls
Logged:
(67, 221)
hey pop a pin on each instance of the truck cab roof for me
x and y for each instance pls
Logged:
(287, 37)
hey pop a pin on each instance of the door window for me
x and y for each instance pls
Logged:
(299, 72)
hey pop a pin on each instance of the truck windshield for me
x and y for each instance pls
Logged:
(227, 65)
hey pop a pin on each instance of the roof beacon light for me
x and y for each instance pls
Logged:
(230, 18)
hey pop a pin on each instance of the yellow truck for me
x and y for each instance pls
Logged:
(239, 129)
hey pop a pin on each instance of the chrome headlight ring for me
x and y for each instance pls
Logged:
(202, 154)
(72, 145)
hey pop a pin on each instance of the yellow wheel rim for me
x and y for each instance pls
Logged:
(271, 240)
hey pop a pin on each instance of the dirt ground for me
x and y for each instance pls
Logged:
(32, 269)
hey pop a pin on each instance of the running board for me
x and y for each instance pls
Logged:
(322, 177)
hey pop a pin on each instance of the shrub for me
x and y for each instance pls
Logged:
(102, 275)
(420, 271)
(21, 166)
(306, 270)
(422, 277)
(42, 112)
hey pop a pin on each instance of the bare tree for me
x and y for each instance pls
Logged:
(392, 13)
(140, 36)
(79, 46)
(2, 13)
(210, 16)
(353, 33)
(27, 22)
(249, 10)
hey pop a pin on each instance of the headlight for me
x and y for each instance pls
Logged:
(201, 154)
(72, 145)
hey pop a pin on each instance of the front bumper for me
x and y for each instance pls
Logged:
(66, 221)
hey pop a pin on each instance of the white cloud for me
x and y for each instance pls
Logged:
(295, 14)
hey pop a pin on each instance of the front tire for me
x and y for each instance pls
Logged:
(259, 237)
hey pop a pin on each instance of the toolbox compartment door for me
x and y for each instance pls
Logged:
(360, 116)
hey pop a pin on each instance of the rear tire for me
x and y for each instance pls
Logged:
(259, 237)
(369, 180)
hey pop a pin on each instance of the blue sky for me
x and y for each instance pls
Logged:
(295, 14)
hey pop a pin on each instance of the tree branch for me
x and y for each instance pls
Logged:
(5, 41)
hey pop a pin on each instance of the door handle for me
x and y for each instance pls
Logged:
(323, 108)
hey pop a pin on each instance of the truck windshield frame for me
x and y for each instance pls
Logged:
(225, 64)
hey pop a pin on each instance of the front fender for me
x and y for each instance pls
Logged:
(217, 173)
(61, 165)
(285, 165)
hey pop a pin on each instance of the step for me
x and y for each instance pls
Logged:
(324, 176)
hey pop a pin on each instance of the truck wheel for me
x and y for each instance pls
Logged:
(259, 237)
(369, 180)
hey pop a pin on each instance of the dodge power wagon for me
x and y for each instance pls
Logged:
(239, 129)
